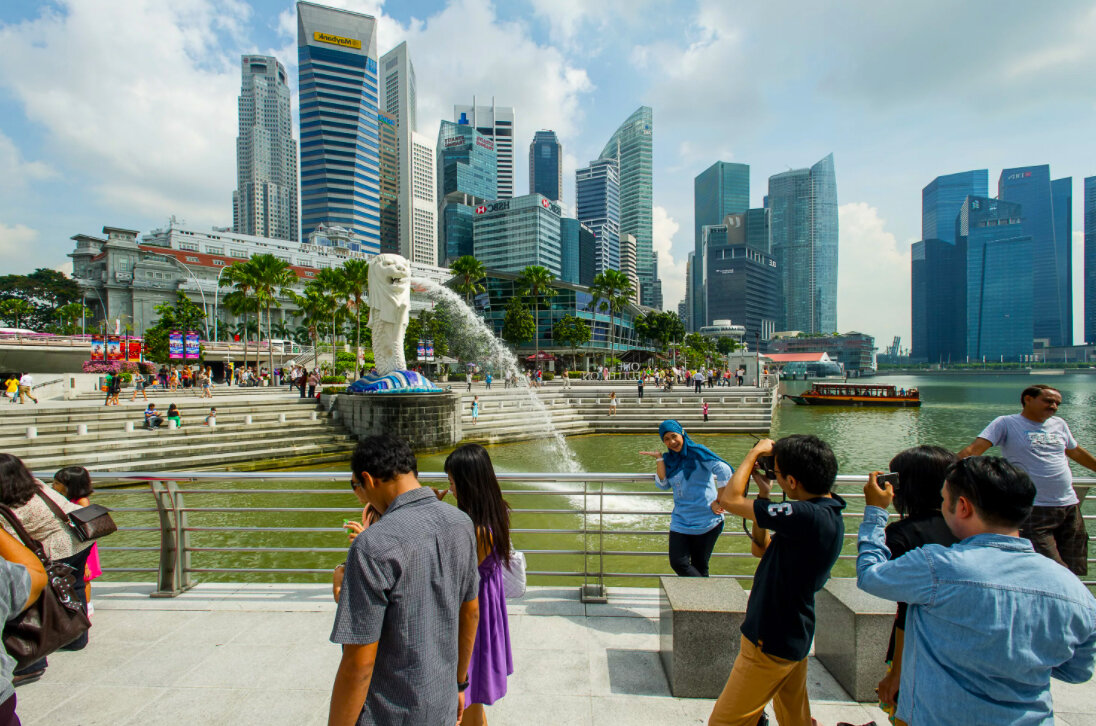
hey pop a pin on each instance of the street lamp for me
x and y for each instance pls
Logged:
(205, 308)
(217, 300)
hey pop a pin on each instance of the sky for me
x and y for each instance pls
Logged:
(123, 112)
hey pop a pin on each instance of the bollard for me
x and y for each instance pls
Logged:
(81, 429)
(32, 432)
(281, 418)
(315, 416)
(334, 415)
(129, 426)
(247, 420)
(213, 422)
(172, 423)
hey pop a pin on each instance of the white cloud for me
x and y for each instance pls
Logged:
(14, 242)
(670, 271)
(873, 276)
(15, 171)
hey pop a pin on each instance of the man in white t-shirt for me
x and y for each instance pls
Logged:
(1041, 444)
(26, 383)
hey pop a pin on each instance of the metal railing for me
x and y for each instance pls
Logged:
(180, 529)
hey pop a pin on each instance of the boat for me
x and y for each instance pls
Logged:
(854, 394)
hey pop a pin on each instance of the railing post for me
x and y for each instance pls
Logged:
(173, 577)
(594, 593)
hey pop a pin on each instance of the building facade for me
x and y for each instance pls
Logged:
(803, 228)
(512, 234)
(854, 351)
(628, 263)
(721, 189)
(389, 161)
(399, 98)
(577, 244)
(597, 191)
(939, 301)
(424, 205)
(340, 176)
(943, 197)
(546, 165)
(1090, 259)
(495, 123)
(265, 200)
(466, 169)
(741, 283)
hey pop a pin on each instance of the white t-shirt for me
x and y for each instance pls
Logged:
(1040, 450)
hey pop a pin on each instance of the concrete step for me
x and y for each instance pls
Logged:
(321, 451)
(104, 429)
(217, 390)
(127, 411)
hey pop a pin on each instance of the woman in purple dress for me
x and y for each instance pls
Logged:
(472, 479)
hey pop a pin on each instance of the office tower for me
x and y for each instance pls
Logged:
(388, 157)
(939, 300)
(1090, 259)
(628, 262)
(569, 252)
(597, 192)
(424, 207)
(587, 250)
(999, 279)
(512, 234)
(741, 283)
(631, 146)
(337, 65)
(721, 189)
(265, 201)
(546, 165)
(943, 197)
(1046, 216)
(757, 230)
(497, 124)
(466, 180)
(803, 229)
(399, 98)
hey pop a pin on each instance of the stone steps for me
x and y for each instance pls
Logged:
(105, 429)
(217, 391)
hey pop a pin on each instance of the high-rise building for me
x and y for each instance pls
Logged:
(628, 262)
(424, 206)
(388, 156)
(569, 251)
(337, 65)
(587, 249)
(803, 228)
(939, 300)
(597, 192)
(265, 201)
(742, 287)
(497, 124)
(999, 280)
(1090, 259)
(757, 230)
(399, 98)
(546, 165)
(942, 198)
(1046, 216)
(632, 146)
(466, 180)
(512, 234)
(721, 189)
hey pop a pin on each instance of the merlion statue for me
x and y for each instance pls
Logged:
(389, 310)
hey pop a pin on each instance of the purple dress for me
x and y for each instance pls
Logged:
(491, 661)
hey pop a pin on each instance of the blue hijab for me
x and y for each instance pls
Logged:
(690, 455)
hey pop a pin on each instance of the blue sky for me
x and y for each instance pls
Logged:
(123, 112)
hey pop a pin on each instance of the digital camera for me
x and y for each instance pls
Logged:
(767, 466)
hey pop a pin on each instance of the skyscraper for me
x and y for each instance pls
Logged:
(512, 234)
(721, 189)
(1090, 259)
(631, 146)
(628, 262)
(497, 124)
(340, 179)
(569, 251)
(757, 230)
(1046, 216)
(265, 201)
(942, 198)
(546, 165)
(741, 283)
(466, 180)
(399, 98)
(939, 300)
(388, 156)
(597, 189)
(803, 228)
(424, 207)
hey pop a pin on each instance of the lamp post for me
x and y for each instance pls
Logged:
(216, 301)
(205, 308)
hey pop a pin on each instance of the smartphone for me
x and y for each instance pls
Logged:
(347, 522)
(891, 478)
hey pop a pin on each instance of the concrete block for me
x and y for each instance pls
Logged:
(32, 432)
(172, 424)
(851, 637)
(81, 429)
(699, 620)
(129, 426)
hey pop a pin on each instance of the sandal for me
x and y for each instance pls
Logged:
(26, 678)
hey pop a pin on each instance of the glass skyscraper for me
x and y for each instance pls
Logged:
(721, 189)
(939, 300)
(942, 199)
(802, 207)
(466, 180)
(631, 146)
(546, 165)
(1046, 212)
(495, 123)
(597, 189)
(337, 66)
(512, 234)
(1090, 259)
(390, 182)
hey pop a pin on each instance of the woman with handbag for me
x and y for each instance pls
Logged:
(22, 580)
(74, 484)
(30, 500)
(473, 482)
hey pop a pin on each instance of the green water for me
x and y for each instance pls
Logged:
(955, 409)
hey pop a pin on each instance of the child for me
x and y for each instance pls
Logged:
(475, 410)
(11, 387)
(211, 418)
(612, 403)
(74, 484)
(704, 410)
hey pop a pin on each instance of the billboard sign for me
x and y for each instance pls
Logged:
(114, 348)
(193, 347)
(420, 351)
(98, 350)
(175, 345)
(429, 351)
(133, 352)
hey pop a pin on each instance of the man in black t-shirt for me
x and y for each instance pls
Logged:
(795, 564)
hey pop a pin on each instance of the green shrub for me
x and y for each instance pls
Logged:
(549, 375)
(333, 389)
(332, 379)
(574, 374)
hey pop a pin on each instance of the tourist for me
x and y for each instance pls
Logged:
(694, 473)
(313, 381)
(612, 403)
(711, 377)
(476, 489)
(152, 417)
(161, 376)
(173, 415)
(475, 410)
(211, 418)
(26, 383)
(795, 563)
(990, 622)
(229, 371)
(639, 386)
(173, 380)
(184, 376)
(698, 380)
(139, 384)
(408, 607)
(704, 410)
(11, 386)
(1041, 444)
(27, 497)
(487, 381)
(207, 385)
(22, 580)
(917, 499)
(302, 380)
(115, 389)
(74, 484)
(108, 387)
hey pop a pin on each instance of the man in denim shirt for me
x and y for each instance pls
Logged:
(990, 621)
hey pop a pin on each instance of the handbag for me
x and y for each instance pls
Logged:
(88, 523)
(513, 575)
(55, 619)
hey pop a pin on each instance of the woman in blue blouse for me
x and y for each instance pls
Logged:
(695, 474)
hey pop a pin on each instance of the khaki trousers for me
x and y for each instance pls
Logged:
(758, 678)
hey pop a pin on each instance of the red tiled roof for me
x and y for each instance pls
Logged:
(795, 357)
(205, 260)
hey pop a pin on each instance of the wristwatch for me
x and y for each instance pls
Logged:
(462, 686)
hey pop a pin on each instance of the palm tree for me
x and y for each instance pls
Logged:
(355, 275)
(315, 306)
(240, 305)
(270, 276)
(468, 271)
(330, 282)
(536, 282)
(613, 290)
(240, 276)
(281, 330)
(17, 310)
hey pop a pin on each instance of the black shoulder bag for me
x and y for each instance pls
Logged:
(88, 523)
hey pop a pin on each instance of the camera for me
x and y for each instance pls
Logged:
(891, 478)
(767, 466)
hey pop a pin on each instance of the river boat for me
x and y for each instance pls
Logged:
(855, 394)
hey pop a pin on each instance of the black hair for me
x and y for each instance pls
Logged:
(17, 484)
(479, 496)
(77, 481)
(921, 473)
(1034, 391)
(384, 456)
(172, 407)
(809, 459)
(1002, 494)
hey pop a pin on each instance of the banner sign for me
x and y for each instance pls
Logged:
(175, 345)
(193, 348)
(97, 350)
(114, 348)
(134, 353)
(421, 351)
(429, 351)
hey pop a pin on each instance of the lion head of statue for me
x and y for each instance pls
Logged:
(389, 289)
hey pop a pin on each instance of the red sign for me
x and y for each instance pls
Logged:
(485, 143)
(481, 210)
(544, 203)
(134, 346)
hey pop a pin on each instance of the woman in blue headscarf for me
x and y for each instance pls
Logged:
(695, 474)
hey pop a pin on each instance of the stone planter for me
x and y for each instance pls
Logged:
(428, 421)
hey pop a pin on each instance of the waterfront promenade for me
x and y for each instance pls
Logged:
(259, 654)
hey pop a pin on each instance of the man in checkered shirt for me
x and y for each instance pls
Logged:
(408, 605)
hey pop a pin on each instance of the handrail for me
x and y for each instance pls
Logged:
(591, 510)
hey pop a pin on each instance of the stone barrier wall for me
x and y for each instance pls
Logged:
(428, 421)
